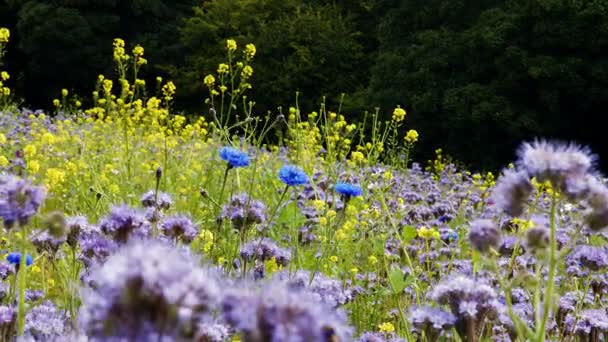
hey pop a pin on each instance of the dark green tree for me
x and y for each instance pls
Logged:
(479, 76)
(312, 48)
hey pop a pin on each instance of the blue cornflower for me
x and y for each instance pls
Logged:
(292, 175)
(15, 258)
(234, 157)
(348, 190)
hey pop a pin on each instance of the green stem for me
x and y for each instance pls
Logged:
(551, 278)
(22, 282)
(276, 208)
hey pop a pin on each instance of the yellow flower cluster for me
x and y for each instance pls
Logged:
(386, 327)
(250, 51)
(399, 114)
(5, 35)
(5, 92)
(428, 233)
(231, 45)
(411, 136)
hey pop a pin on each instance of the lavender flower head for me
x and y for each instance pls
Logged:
(484, 234)
(511, 192)
(292, 175)
(179, 228)
(77, 226)
(470, 300)
(19, 200)
(95, 248)
(432, 321)
(242, 211)
(163, 201)
(265, 249)
(124, 223)
(276, 313)
(331, 292)
(45, 322)
(589, 323)
(593, 258)
(555, 162)
(145, 288)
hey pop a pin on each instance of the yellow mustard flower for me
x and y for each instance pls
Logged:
(5, 34)
(372, 260)
(428, 233)
(357, 156)
(209, 81)
(250, 51)
(4, 75)
(231, 45)
(223, 68)
(247, 71)
(3, 161)
(2, 139)
(411, 136)
(399, 114)
(386, 327)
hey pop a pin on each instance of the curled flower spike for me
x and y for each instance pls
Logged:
(19, 200)
(484, 234)
(511, 192)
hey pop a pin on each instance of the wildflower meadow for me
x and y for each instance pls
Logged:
(124, 221)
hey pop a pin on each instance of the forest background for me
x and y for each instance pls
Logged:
(475, 76)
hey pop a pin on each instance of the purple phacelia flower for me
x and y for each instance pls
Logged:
(243, 212)
(370, 336)
(593, 258)
(471, 301)
(555, 162)
(211, 332)
(6, 269)
(179, 228)
(484, 234)
(277, 313)
(537, 238)
(331, 292)
(8, 320)
(431, 321)
(76, 227)
(148, 287)
(265, 249)
(43, 241)
(124, 223)
(45, 322)
(589, 323)
(19, 200)
(161, 200)
(95, 248)
(511, 192)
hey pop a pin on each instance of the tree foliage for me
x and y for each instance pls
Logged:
(478, 76)
(475, 76)
(314, 49)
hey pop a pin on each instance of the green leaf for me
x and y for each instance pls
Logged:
(409, 233)
(397, 280)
